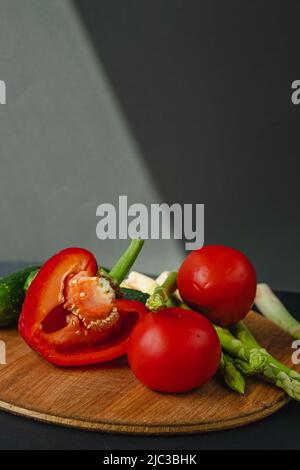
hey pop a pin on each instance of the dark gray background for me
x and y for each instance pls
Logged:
(176, 101)
(206, 87)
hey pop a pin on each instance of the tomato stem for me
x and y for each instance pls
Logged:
(124, 264)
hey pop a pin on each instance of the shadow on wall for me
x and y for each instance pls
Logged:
(65, 145)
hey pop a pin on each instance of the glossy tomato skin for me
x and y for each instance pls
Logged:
(218, 281)
(174, 350)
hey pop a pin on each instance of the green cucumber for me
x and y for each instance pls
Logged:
(12, 296)
(29, 279)
(133, 294)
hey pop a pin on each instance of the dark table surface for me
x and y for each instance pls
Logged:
(279, 431)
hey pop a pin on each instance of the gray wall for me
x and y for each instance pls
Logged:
(65, 146)
(173, 101)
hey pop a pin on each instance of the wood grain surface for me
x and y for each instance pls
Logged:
(109, 398)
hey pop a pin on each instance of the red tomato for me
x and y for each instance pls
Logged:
(174, 350)
(219, 282)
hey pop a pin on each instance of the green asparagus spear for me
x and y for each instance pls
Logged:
(256, 357)
(160, 296)
(231, 375)
(243, 333)
(244, 367)
(276, 372)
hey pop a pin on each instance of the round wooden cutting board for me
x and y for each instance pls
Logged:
(109, 398)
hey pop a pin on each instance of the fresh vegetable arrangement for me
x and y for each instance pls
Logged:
(177, 330)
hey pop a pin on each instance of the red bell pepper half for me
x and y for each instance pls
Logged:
(71, 316)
